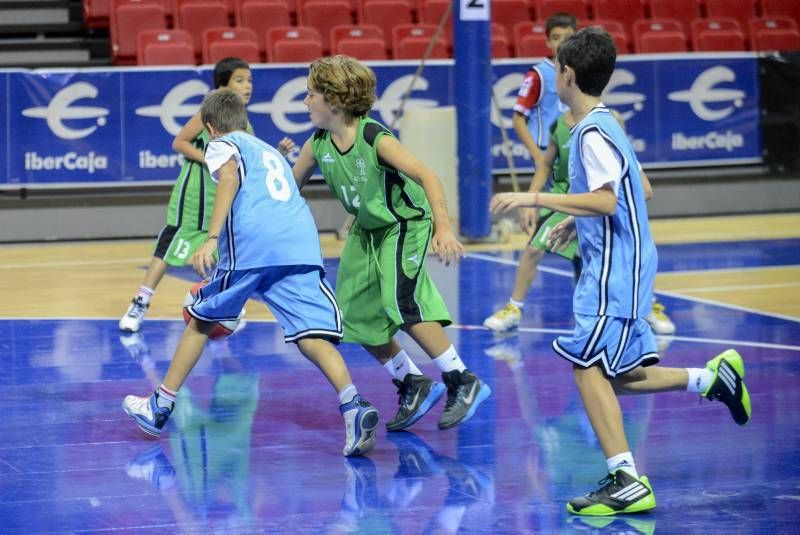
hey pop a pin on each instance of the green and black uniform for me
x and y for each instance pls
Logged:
(382, 282)
(189, 211)
(559, 135)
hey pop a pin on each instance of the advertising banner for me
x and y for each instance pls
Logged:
(116, 126)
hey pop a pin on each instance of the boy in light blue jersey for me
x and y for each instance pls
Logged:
(613, 348)
(268, 245)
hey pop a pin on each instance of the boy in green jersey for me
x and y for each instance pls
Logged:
(382, 284)
(192, 197)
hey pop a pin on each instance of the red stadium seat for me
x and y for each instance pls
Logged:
(624, 11)
(324, 15)
(415, 47)
(353, 32)
(530, 40)
(149, 37)
(684, 11)
(641, 26)
(289, 33)
(651, 42)
(717, 34)
(168, 53)
(776, 22)
(386, 14)
(230, 5)
(432, 11)
(617, 32)
(545, 8)
(787, 8)
(128, 18)
(288, 4)
(260, 16)
(363, 48)
(421, 31)
(296, 50)
(219, 43)
(777, 39)
(500, 46)
(195, 17)
(508, 13)
(741, 10)
(96, 13)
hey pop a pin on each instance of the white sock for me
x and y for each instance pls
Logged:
(347, 394)
(449, 361)
(622, 461)
(699, 379)
(518, 304)
(401, 365)
(166, 397)
(144, 294)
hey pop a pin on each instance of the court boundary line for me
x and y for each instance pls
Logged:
(668, 293)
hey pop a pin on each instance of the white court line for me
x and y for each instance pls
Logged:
(542, 330)
(695, 340)
(48, 263)
(564, 273)
(745, 287)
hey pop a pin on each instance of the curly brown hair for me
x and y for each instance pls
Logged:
(345, 83)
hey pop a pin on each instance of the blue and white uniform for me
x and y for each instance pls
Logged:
(538, 101)
(269, 245)
(615, 289)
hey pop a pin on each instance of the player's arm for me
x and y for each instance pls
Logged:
(184, 141)
(227, 185)
(528, 215)
(395, 155)
(305, 165)
(603, 172)
(646, 186)
(520, 123)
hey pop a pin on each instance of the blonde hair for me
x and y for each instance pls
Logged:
(224, 110)
(345, 83)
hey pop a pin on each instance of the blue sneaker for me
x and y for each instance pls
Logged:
(360, 419)
(418, 394)
(146, 413)
(465, 391)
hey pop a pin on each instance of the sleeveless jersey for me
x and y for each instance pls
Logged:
(619, 256)
(549, 107)
(269, 224)
(377, 194)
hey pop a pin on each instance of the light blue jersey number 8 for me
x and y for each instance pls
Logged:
(277, 184)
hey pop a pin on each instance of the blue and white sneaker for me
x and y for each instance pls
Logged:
(146, 413)
(361, 420)
(153, 466)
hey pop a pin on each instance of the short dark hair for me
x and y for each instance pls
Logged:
(224, 68)
(560, 20)
(592, 54)
(224, 110)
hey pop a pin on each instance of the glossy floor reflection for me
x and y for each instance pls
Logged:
(255, 443)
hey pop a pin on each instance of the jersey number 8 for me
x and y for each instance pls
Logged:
(277, 184)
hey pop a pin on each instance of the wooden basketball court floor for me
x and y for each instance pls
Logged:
(255, 443)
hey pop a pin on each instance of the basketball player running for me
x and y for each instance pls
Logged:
(268, 245)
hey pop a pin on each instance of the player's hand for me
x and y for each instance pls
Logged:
(504, 202)
(203, 258)
(528, 218)
(562, 234)
(286, 145)
(447, 247)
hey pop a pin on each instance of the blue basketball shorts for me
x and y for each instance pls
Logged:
(620, 344)
(298, 296)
